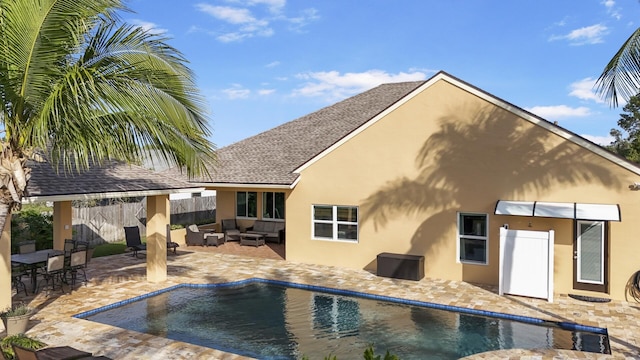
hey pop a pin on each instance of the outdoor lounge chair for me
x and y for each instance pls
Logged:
(230, 230)
(197, 237)
(170, 244)
(132, 236)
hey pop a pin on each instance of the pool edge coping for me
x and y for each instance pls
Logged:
(566, 325)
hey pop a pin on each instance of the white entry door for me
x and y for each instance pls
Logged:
(526, 263)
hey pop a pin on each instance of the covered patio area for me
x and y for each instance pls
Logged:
(110, 180)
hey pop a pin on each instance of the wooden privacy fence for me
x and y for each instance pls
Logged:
(100, 224)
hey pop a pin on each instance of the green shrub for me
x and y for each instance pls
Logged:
(20, 339)
(33, 222)
(369, 354)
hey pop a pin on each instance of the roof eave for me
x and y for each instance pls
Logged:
(110, 195)
(249, 185)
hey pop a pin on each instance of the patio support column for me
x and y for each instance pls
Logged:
(62, 229)
(157, 220)
(5, 265)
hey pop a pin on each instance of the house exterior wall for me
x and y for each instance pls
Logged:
(62, 219)
(226, 205)
(447, 151)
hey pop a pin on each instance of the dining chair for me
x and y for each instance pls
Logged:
(69, 245)
(26, 247)
(54, 271)
(17, 272)
(77, 265)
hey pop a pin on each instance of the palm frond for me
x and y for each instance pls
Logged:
(77, 83)
(621, 76)
(129, 94)
(38, 37)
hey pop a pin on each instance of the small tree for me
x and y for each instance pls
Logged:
(79, 87)
(628, 146)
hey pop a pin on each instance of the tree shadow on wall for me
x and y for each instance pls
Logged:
(469, 164)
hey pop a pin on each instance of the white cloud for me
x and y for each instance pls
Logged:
(333, 86)
(272, 64)
(265, 92)
(586, 35)
(600, 140)
(250, 18)
(611, 9)
(275, 6)
(559, 111)
(232, 37)
(583, 89)
(248, 25)
(147, 26)
(237, 92)
(306, 17)
(228, 14)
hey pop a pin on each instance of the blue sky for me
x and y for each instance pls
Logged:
(261, 63)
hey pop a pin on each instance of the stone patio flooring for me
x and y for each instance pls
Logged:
(120, 277)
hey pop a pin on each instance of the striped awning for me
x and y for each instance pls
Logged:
(561, 210)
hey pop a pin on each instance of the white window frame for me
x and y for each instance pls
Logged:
(334, 222)
(245, 215)
(472, 237)
(579, 253)
(274, 205)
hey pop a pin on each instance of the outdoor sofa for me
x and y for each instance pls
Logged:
(273, 231)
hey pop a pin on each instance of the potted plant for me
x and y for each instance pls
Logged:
(16, 318)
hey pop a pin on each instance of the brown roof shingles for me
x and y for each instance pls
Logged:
(269, 158)
(110, 177)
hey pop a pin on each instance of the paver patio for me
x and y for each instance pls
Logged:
(120, 277)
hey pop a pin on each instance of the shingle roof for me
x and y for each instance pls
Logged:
(98, 181)
(270, 157)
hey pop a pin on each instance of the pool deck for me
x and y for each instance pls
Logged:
(120, 277)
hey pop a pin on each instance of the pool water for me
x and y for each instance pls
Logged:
(272, 320)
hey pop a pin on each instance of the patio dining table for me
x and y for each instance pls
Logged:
(33, 260)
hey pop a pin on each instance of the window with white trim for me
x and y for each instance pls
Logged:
(273, 205)
(472, 238)
(335, 222)
(247, 204)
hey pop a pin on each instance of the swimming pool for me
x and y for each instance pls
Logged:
(276, 320)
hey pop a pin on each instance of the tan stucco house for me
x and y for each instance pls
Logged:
(444, 170)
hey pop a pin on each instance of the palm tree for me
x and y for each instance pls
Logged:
(621, 76)
(79, 87)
